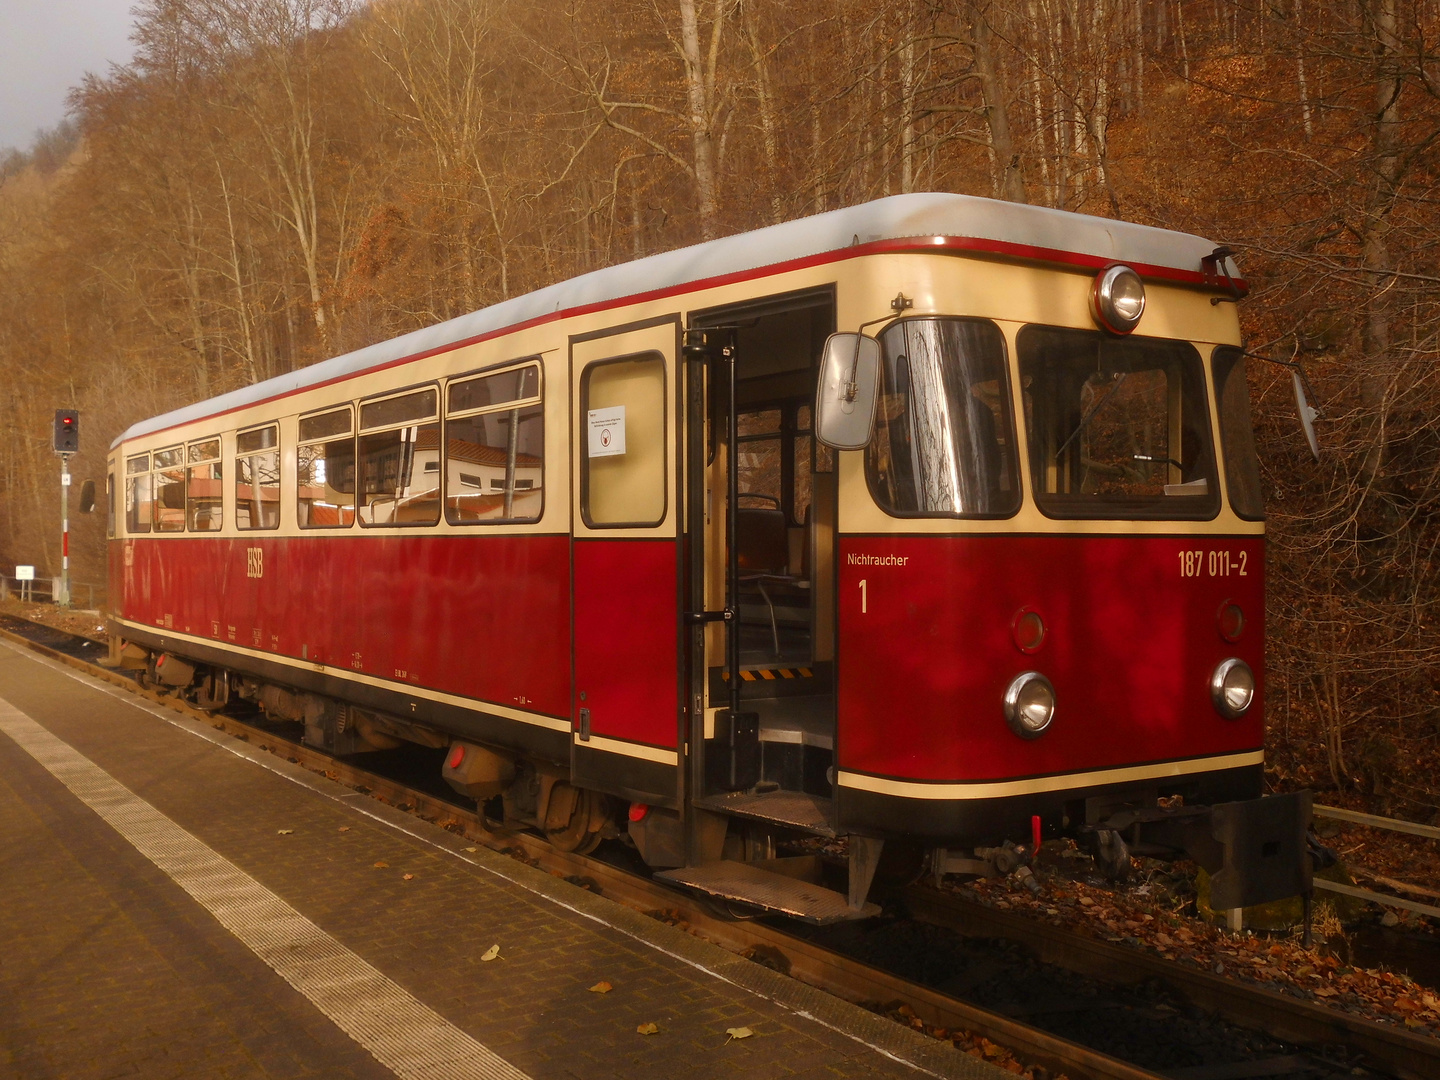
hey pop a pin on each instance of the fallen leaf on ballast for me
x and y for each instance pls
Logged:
(344, 828)
(409, 877)
(382, 866)
(647, 1029)
(284, 832)
(601, 987)
(472, 850)
(738, 1033)
(492, 953)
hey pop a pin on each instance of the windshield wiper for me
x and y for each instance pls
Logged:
(1090, 413)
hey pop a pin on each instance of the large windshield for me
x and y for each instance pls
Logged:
(944, 443)
(1117, 427)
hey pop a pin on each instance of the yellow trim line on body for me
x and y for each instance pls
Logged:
(999, 789)
(524, 716)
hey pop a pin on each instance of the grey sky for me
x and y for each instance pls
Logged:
(46, 47)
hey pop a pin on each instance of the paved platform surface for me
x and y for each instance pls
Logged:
(177, 903)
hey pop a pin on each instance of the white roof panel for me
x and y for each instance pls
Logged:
(899, 217)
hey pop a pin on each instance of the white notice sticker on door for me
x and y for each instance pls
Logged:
(607, 431)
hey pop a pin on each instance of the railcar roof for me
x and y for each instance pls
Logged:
(1002, 227)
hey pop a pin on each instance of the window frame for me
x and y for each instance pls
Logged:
(538, 399)
(380, 429)
(279, 473)
(137, 476)
(1007, 397)
(583, 411)
(351, 409)
(218, 459)
(1233, 357)
(1153, 508)
(155, 470)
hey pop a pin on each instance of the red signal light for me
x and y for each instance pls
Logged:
(457, 755)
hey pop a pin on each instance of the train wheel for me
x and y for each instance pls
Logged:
(574, 834)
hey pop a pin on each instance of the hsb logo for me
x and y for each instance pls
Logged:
(254, 562)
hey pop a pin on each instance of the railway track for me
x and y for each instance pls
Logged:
(1329, 1043)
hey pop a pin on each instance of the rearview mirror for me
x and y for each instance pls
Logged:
(87, 496)
(1307, 415)
(845, 396)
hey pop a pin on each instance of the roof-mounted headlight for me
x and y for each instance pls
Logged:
(1232, 688)
(1117, 299)
(1029, 704)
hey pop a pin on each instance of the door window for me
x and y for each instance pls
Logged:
(622, 442)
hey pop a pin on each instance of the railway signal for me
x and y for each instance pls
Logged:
(67, 442)
(67, 431)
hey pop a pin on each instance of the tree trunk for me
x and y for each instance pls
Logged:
(699, 91)
(997, 101)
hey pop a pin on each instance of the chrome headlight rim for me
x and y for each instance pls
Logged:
(1014, 702)
(1103, 304)
(1220, 686)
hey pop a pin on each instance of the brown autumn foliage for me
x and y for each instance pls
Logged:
(275, 181)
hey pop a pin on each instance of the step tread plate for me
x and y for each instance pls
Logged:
(796, 809)
(747, 884)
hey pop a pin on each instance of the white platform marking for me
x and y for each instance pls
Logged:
(404, 1035)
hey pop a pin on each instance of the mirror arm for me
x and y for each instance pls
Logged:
(852, 385)
(1293, 365)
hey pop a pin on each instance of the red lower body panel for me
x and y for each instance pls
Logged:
(1131, 639)
(484, 617)
(626, 653)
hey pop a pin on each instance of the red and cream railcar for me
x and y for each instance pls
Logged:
(588, 538)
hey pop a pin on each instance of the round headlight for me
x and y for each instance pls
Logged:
(1118, 299)
(1232, 688)
(1029, 704)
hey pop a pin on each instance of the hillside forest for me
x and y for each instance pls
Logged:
(272, 182)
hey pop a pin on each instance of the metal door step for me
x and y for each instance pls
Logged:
(794, 809)
(745, 883)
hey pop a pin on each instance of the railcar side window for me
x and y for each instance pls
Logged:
(325, 470)
(1237, 436)
(204, 492)
(1118, 427)
(257, 478)
(137, 494)
(110, 505)
(400, 460)
(623, 483)
(944, 443)
(168, 479)
(495, 448)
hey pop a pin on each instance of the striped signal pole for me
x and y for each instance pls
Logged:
(63, 600)
(67, 442)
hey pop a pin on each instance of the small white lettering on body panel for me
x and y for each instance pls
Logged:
(876, 560)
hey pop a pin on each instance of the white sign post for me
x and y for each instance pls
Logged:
(25, 575)
(607, 431)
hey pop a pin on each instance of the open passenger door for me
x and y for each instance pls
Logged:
(626, 562)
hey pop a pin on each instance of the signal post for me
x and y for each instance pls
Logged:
(67, 442)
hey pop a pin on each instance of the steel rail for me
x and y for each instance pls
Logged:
(1403, 1053)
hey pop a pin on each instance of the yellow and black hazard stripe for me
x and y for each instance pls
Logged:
(771, 674)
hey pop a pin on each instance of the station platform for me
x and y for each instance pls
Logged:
(177, 903)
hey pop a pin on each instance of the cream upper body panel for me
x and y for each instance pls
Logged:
(1015, 295)
(940, 281)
